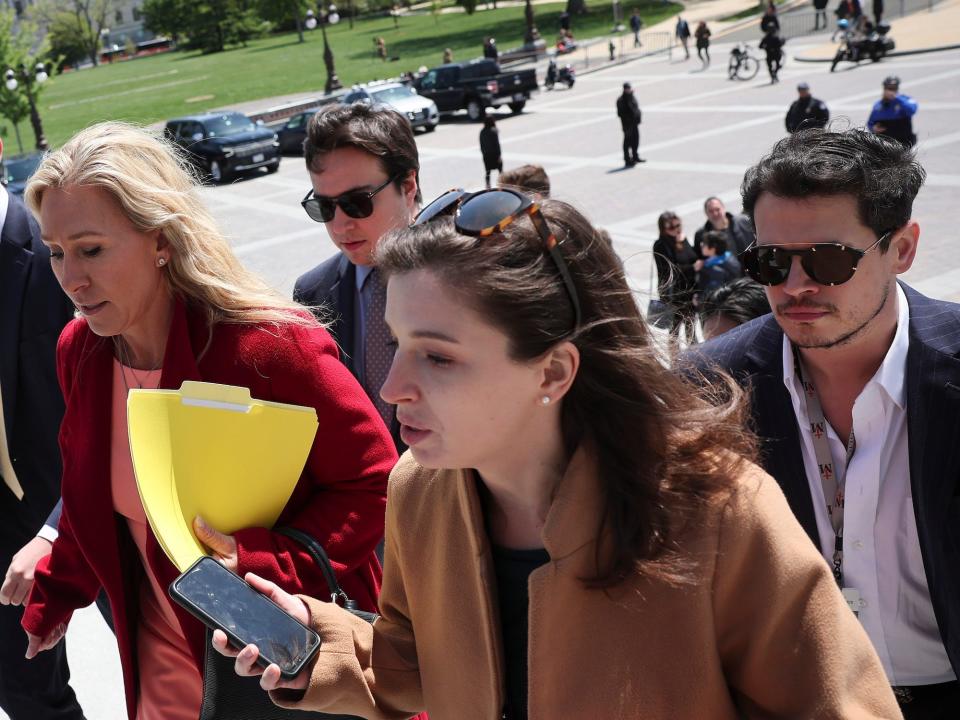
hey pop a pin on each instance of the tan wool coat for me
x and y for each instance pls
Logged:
(762, 632)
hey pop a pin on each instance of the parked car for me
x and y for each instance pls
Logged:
(476, 85)
(17, 169)
(294, 132)
(420, 111)
(225, 144)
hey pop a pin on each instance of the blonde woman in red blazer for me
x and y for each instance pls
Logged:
(162, 299)
(575, 532)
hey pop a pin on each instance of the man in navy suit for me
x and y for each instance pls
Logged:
(364, 169)
(33, 311)
(855, 394)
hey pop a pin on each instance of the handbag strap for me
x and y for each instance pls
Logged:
(320, 557)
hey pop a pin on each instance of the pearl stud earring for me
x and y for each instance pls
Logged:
(545, 400)
(161, 262)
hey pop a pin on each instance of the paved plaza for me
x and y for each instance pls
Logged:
(699, 133)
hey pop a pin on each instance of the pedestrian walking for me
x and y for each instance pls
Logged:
(490, 148)
(447, 56)
(740, 234)
(381, 48)
(630, 117)
(892, 115)
(703, 43)
(877, 11)
(820, 14)
(33, 312)
(490, 48)
(162, 299)
(772, 44)
(676, 263)
(567, 493)
(849, 10)
(636, 22)
(769, 19)
(718, 266)
(806, 111)
(682, 31)
(853, 381)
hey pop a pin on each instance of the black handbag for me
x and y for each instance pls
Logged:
(659, 313)
(228, 696)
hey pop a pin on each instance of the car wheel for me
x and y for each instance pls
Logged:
(474, 110)
(430, 127)
(216, 172)
(273, 168)
(517, 107)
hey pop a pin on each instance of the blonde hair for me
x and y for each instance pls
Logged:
(156, 188)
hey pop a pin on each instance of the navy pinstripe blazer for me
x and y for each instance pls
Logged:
(752, 353)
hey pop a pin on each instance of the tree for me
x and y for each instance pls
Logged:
(217, 23)
(16, 52)
(468, 5)
(280, 12)
(577, 7)
(77, 23)
(170, 18)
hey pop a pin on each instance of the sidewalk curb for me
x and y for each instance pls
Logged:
(895, 53)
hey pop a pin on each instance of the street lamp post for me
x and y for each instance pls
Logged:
(532, 34)
(333, 17)
(39, 76)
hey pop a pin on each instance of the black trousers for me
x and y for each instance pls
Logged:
(773, 66)
(933, 702)
(631, 144)
(35, 689)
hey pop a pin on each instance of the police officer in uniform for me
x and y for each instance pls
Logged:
(806, 111)
(892, 115)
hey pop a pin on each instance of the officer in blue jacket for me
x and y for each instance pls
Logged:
(892, 115)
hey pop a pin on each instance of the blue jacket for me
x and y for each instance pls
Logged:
(896, 117)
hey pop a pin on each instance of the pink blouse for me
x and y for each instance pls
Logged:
(170, 686)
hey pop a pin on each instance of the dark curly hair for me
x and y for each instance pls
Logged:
(881, 174)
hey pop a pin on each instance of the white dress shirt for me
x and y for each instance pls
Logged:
(881, 549)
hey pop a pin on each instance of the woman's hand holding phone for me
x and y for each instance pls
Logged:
(246, 659)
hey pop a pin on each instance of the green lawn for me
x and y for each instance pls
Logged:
(154, 88)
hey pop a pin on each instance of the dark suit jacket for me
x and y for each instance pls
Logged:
(329, 290)
(33, 311)
(752, 353)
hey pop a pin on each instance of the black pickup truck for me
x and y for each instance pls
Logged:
(476, 85)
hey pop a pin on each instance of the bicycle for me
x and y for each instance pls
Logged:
(743, 65)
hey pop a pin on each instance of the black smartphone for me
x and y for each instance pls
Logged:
(223, 600)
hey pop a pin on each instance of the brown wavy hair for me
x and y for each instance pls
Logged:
(665, 447)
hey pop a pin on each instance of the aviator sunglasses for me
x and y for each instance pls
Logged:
(487, 212)
(824, 263)
(358, 204)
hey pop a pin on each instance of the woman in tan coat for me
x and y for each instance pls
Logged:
(606, 549)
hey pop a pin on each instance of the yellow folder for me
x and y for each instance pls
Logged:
(212, 450)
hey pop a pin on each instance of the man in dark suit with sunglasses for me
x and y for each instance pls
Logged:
(364, 171)
(855, 394)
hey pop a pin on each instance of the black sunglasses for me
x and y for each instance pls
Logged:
(486, 212)
(358, 204)
(824, 263)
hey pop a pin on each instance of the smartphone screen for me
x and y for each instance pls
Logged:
(221, 599)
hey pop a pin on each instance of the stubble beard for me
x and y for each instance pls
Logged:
(850, 336)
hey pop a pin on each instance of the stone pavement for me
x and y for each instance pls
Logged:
(924, 31)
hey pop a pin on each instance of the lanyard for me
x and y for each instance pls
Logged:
(832, 489)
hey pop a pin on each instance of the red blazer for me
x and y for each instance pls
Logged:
(340, 498)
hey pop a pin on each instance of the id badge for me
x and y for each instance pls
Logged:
(852, 596)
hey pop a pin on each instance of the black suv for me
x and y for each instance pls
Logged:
(222, 145)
